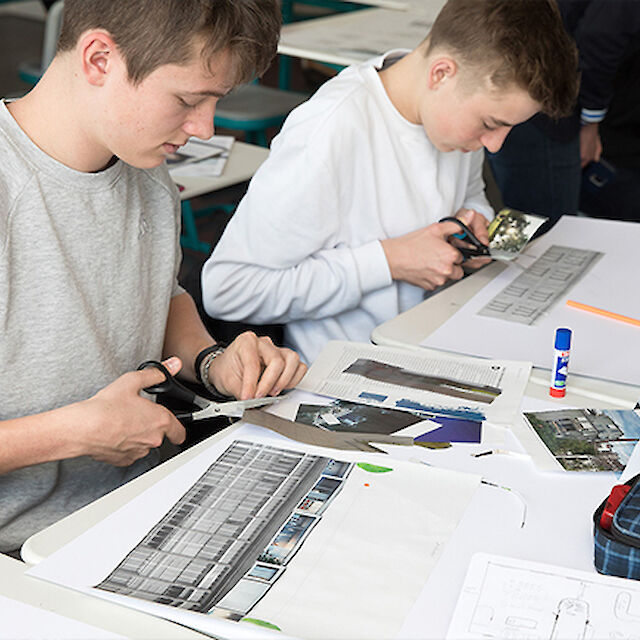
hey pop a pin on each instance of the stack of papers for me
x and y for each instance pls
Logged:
(200, 158)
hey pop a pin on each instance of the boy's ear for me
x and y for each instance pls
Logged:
(97, 50)
(440, 70)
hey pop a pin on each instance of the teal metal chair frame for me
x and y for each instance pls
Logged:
(189, 238)
(276, 104)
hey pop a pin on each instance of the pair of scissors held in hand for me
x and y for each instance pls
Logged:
(170, 387)
(466, 235)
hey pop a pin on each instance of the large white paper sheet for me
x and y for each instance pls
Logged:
(328, 376)
(508, 598)
(601, 347)
(356, 574)
(21, 621)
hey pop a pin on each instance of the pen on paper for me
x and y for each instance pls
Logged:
(603, 312)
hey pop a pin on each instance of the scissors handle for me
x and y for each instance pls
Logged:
(169, 386)
(467, 235)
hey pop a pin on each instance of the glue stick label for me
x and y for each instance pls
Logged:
(560, 367)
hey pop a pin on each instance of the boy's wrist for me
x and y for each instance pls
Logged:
(203, 363)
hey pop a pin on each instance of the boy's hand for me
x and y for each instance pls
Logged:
(590, 144)
(479, 225)
(121, 426)
(253, 367)
(424, 257)
(476, 222)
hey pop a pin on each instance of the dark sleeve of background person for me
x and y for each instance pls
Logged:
(607, 34)
(608, 37)
(47, 3)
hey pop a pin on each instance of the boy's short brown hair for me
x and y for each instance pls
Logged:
(152, 33)
(520, 42)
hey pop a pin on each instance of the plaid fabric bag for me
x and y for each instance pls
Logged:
(617, 550)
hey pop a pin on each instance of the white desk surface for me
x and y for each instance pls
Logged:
(349, 38)
(244, 160)
(409, 329)
(80, 608)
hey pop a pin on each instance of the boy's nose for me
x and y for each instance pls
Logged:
(200, 122)
(493, 140)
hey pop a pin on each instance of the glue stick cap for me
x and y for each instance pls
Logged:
(563, 339)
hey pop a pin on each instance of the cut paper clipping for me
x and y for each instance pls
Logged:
(353, 417)
(510, 231)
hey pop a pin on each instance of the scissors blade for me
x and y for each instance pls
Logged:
(233, 409)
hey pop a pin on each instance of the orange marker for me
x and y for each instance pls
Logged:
(602, 312)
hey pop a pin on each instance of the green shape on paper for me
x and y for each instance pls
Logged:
(261, 623)
(373, 468)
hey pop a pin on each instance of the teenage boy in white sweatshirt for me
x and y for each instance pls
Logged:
(339, 229)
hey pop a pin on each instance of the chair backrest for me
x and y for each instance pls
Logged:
(52, 30)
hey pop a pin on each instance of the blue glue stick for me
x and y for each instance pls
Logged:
(560, 363)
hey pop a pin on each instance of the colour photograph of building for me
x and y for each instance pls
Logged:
(588, 439)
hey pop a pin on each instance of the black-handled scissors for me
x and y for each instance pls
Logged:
(206, 408)
(480, 249)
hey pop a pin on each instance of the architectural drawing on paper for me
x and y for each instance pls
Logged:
(527, 297)
(226, 541)
(507, 598)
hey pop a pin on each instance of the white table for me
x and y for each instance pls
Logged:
(352, 37)
(409, 329)
(79, 609)
(244, 160)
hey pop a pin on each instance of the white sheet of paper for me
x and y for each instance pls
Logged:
(601, 347)
(508, 598)
(22, 621)
(326, 377)
(389, 533)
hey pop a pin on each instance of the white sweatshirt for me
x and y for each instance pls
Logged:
(303, 248)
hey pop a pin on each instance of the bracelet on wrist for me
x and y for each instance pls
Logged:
(203, 363)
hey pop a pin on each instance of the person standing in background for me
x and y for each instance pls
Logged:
(540, 166)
